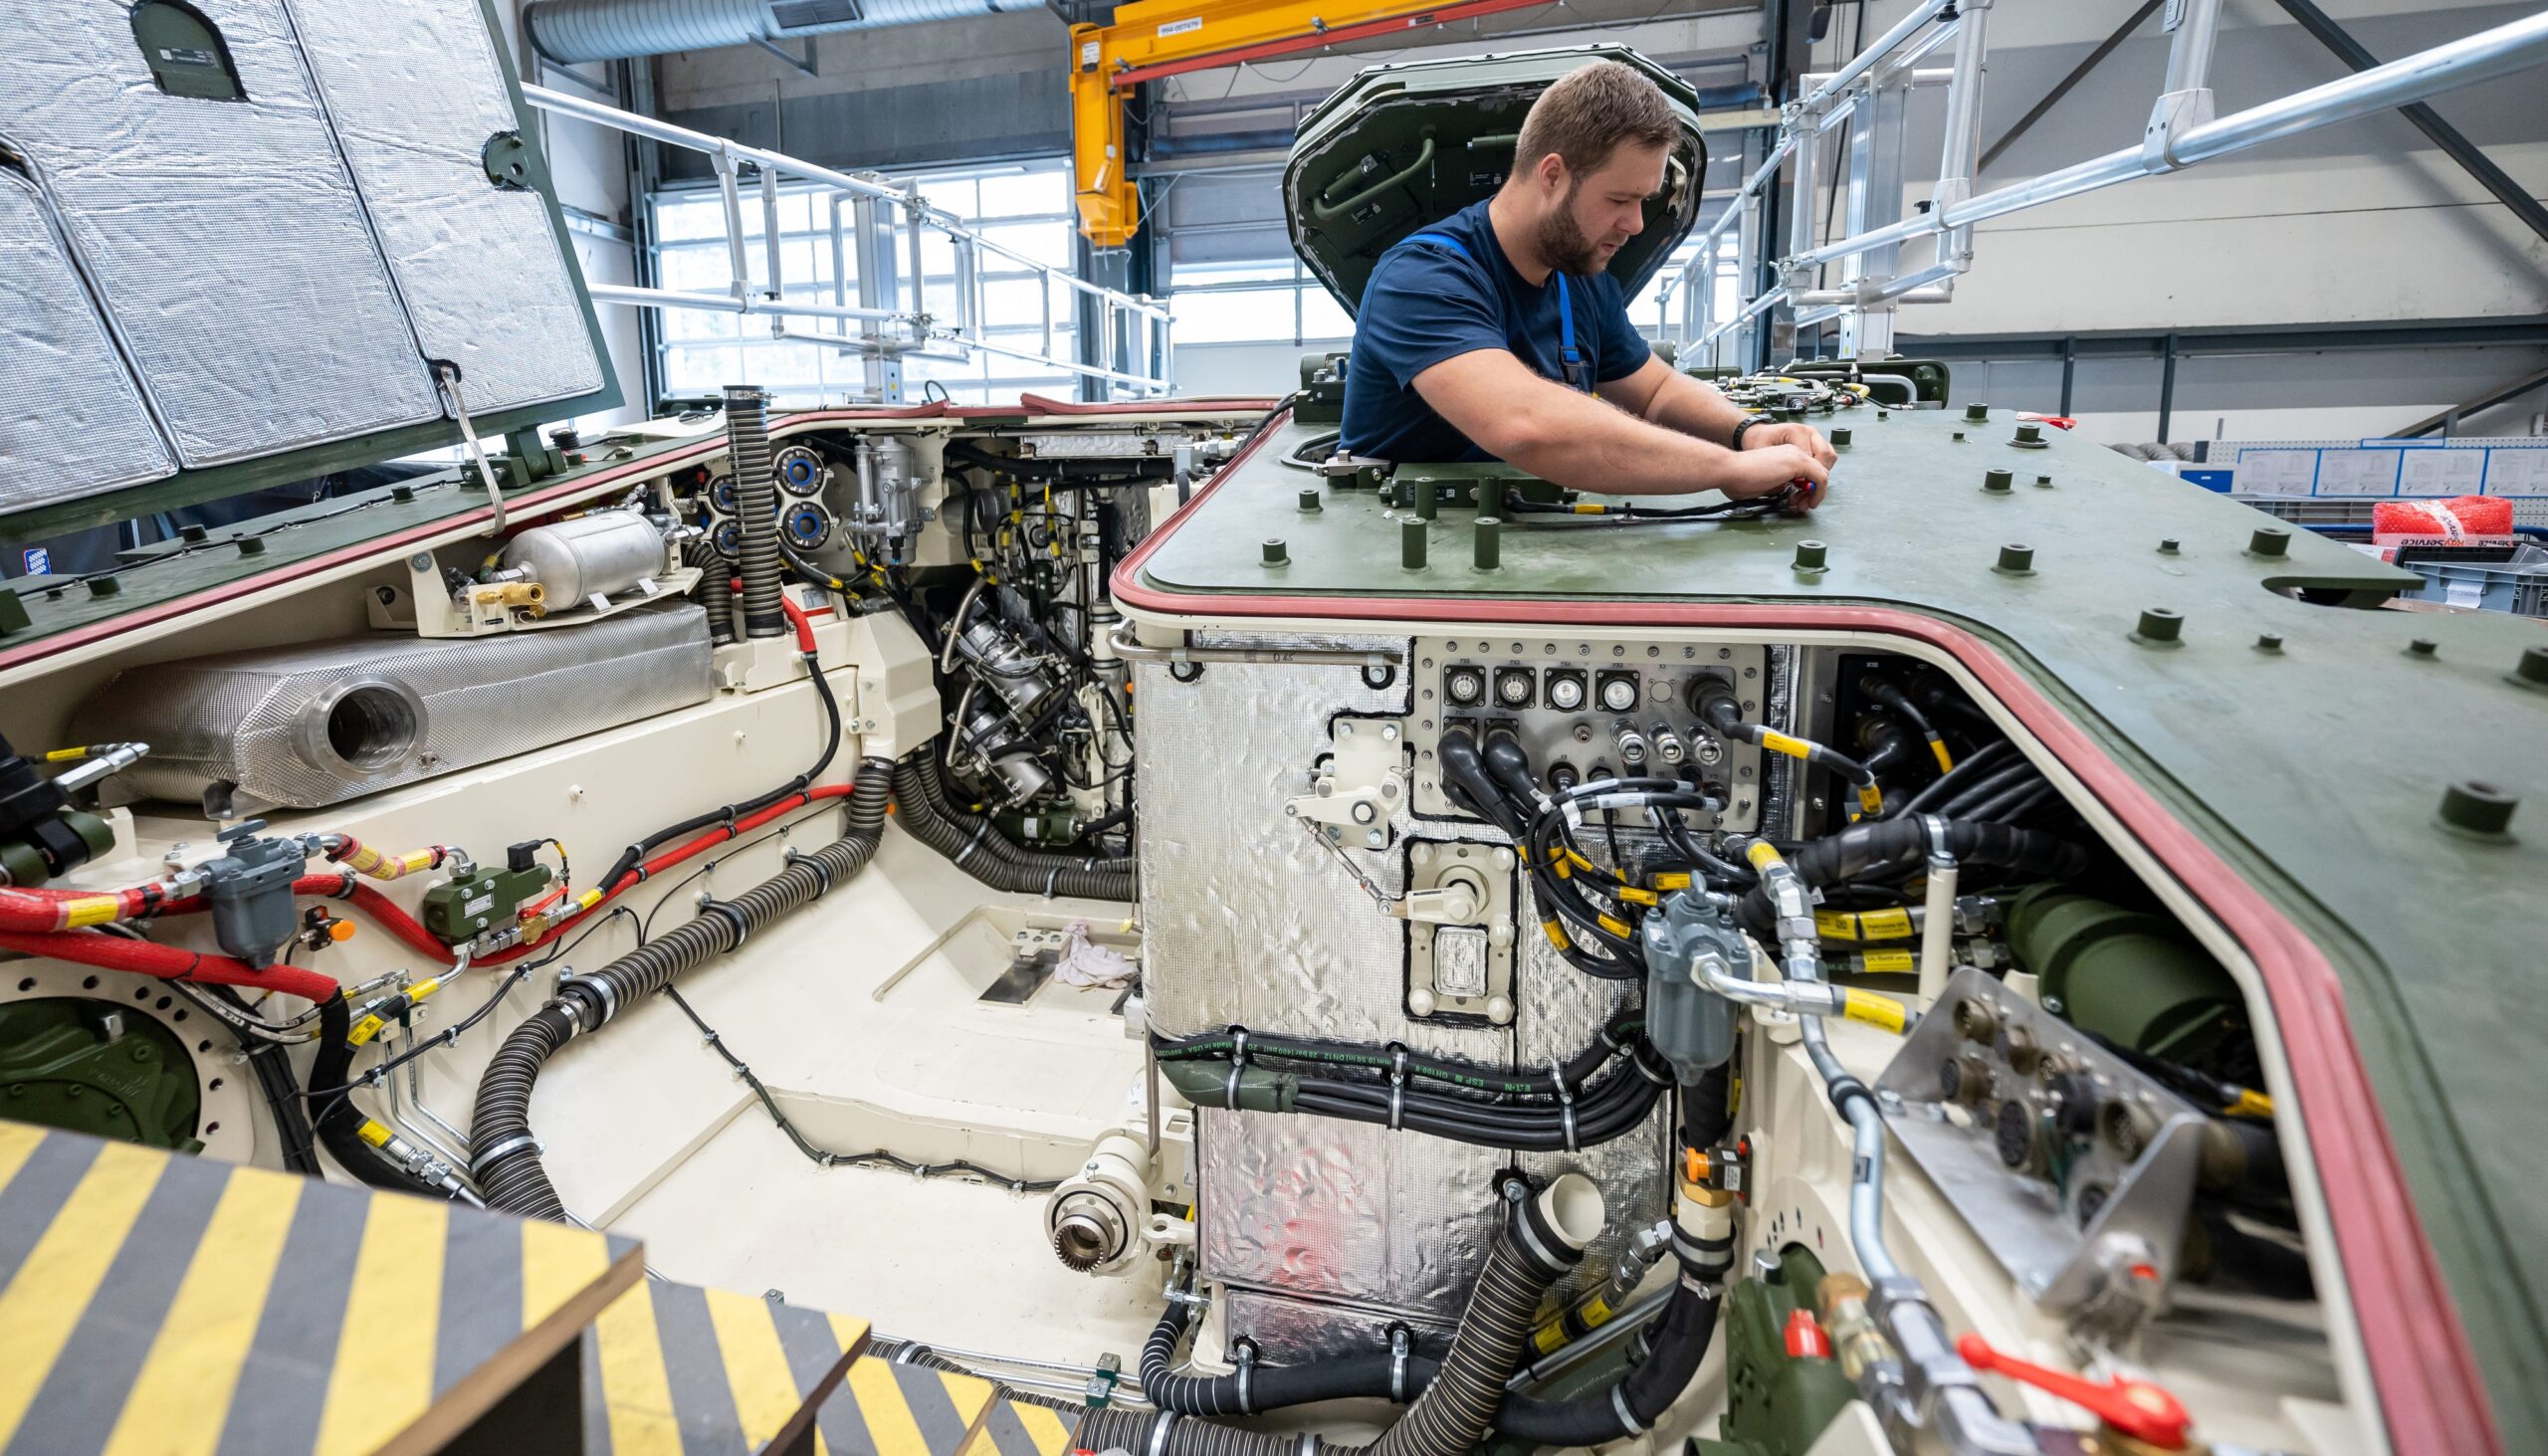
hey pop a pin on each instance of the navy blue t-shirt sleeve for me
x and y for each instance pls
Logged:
(1420, 308)
(1624, 349)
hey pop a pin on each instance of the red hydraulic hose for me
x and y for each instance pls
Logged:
(168, 962)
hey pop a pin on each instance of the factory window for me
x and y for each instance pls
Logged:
(1023, 207)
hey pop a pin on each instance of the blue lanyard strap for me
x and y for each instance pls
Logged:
(1579, 375)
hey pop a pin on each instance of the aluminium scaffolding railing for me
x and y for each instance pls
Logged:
(1132, 331)
(1871, 91)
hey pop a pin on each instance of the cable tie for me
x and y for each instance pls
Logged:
(1051, 878)
(1565, 1103)
(1239, 1064)
(1627, 1417)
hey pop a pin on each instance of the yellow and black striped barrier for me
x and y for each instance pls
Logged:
(151, 1303)
(1022, 1428)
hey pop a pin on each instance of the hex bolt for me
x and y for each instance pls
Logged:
(2269, 642)
(1840, 437)
(1490, 542)
(1998, 480)
(1811, 556)
(1883, 414)
(2423, 647)
(2159, 627)
(1308, 498)
(2016, 558)
(2269, 541)
(2532, 670)
(2168, 547)
(1410, 544)
(1977, 412)
(402, 493)
(1276, 554)
(2480, 810)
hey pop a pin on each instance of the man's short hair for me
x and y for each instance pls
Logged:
(1587, 113)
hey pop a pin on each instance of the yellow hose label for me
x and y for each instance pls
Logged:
(2253, 1104)
(1872, 1009)
(1548, 1337)
(1588, 508)
(365, 1030)
(1596, 1312)
(1579, 861)
(1870, 798)
(1762, 854)
(1564, 870)
(1886, 925)
(1613, 925)
(1557, 934)
(1673, 881)
(1891, 962)
(1634, 896)
(373, 1132)
(89, 910)
(1778, 743)
(1938, 750)
(424, 989)
(1835, 925)
(66, 756)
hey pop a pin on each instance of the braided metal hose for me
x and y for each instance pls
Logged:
(1537, 1244)
(715, 588)
(755, 507)
(504, 1158)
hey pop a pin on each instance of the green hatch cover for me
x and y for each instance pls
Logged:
(1401, 146)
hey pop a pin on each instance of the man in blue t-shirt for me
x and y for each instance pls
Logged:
(1497, 333)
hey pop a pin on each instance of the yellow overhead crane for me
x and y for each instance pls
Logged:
(1154, 39)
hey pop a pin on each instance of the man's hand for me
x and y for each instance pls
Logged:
(1767, 469)
(1802, 436)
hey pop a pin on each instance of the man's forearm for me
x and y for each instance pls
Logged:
(1694, 408)
(1583, 444)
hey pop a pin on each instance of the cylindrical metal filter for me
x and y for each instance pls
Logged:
(756, 509)
(588, 557)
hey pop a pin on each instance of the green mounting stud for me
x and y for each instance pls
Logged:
(1813, 558)
(2029, 437)
(1884, 414)
(2269, 541)
(2043, 480)
(1956, 435)
(1276, 554)
(1998, 480)
(192, 535)
(1428, 495)
(1840, 437)
(104, 586)
(2159, 628)
(2168, 546)
(1308, 498)
(2478, 810)
(1490, 543)
(252, 545)
(402, 493)
(1410, 544)
(2016, 558)
(2532, 671)
(2423, 647)
(2269, 642)
(1977, 412)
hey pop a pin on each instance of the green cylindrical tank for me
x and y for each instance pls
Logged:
(2136, 980)
(1776, 1403)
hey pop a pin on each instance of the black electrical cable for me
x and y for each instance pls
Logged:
(1984, 759)
(1617, 1035)
(1877, 846)
(339, 1124)
(272, 1063)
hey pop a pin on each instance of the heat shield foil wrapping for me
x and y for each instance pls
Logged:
(416, 90)
(224, 238)
(1324, 1229)
(72, 423)
(266, 720)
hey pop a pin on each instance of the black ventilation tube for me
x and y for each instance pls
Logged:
(981, 850)
(715, 588)
(1271, 1387)
(332, 1110)
(757, 506)
(503, 1155)
(1539, 1243)
(1874, 846)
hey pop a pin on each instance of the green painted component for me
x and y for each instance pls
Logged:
(506, 158)
(186, 54)
(1977, 412)
(1813, 556)
(1276, 554)
(2478, 810)
(193, 486)
(1410, 544)
(1309, 498)
(2134, 979)
(1997, 480)
(95, 1065)
(2016, 558)
(1490, 543)
(2271, 540)
(2314, 772)
(1404, 145)
(1206, 1084)
(13, 612)
(459, 909)
(25, 865)
(1777, 1404)
(1840, 437)
(2159, 627)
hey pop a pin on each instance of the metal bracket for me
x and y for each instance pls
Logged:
(804, 63)
(1459, 944)
(2172, 116)
(1364, 786)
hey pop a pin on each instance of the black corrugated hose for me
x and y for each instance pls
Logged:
(1872, 846)
(715, 588)
(1453, 1416)
(756, 509)
(1270, 1387)
(981, 850)
(503, 1157)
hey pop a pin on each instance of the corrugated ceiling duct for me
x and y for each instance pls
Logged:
(615, 30)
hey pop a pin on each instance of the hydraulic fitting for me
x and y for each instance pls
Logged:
(1099, 1218)
(1629, 743)
(1668, 746)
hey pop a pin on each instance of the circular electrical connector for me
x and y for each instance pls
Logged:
(808, 524)
(720, 495)
(799, 471)
(1618, 694)
(1464, 686)
(1566, 691)
(728, 537)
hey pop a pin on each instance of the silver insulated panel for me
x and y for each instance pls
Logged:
(224, 238)
(327, 722)
(1328, 1229)
(71, 422)
(416, 88)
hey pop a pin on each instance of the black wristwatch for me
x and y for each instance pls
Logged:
(1747, 422)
